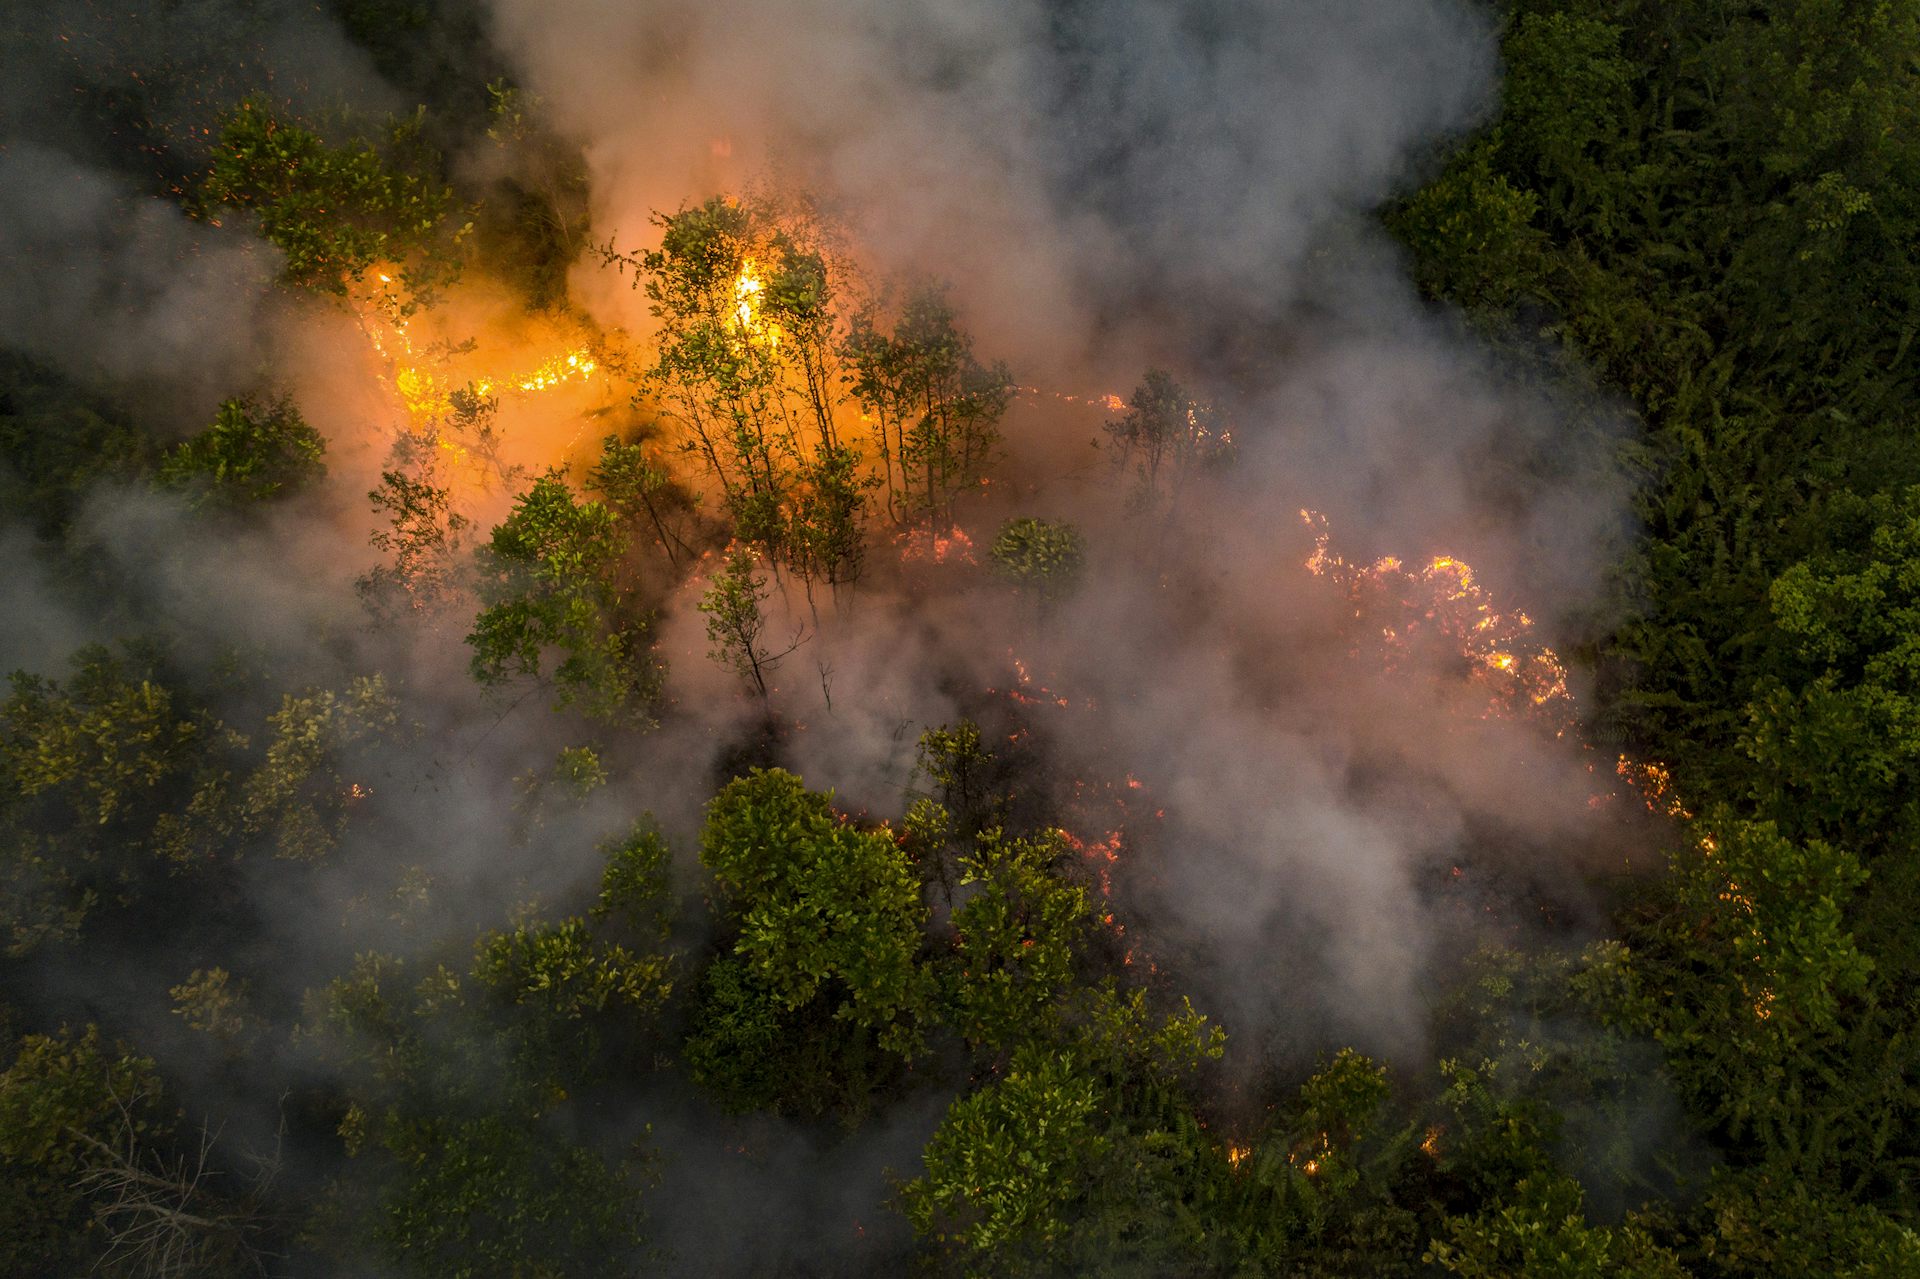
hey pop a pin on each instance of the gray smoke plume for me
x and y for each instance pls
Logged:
(1108, 187)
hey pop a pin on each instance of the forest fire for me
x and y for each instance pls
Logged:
(424, 849)
(1442, 603)
(428, 395)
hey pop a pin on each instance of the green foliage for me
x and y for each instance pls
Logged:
(1837, 730)
(825, 963)
(1708, 206)
(1016, 939)
(457, 1095)
(59, 1095)
(1009, 1159)
(492, 1195)
(111, 781)
(423, 534)
(578, 768)
(212, 1002)
(1775, 1029)
(634, 481)
(935, 408)
(636, 886)
(98, 778)
(1541, 1231)
(562, 981)
(1475, 232)
(297, 795)
(553, 579)
(956, 760)
(335, 211)
(819, 902)
(1762, 1224)
(736, 621)
(1038, 556)
(532, 224)
(1082, 1154)
(250, 454)
(57, 444)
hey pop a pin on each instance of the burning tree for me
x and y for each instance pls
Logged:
(749, 364)
(1164, 436)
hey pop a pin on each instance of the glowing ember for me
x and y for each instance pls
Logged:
(1441, 601)
(427, 396)
(1654, 782)
(925, 546)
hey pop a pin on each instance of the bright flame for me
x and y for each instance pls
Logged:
(748, 294)
(1442, 598)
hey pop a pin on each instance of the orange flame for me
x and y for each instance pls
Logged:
(1442, 598)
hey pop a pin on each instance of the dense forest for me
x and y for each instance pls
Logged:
(1016, 637)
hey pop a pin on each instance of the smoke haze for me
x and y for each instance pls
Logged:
(1108, 187)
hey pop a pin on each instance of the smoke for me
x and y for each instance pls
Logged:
(1065, 164)
(1107, 186)
(1113, 185)
(114, 287)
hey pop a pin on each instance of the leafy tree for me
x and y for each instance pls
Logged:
(826, 921)
(1082, 1150)
(1076, 1154)
(1542, 1230)
(335, 211)
(1755, 1224)
(936, 409)
(1774, 1028)
(424, 535)
(213, 1002)
(250, 454)
(60, 1094)
(956, 760)
(1838, 728)
(297, 794)
(58, 443)
(1039, 557)
(634, 481)
(553, 578)
(1017, 939)
(736, 621)
(113, 781)
(458, 1095)
(99, 778)
(1008, 1161)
